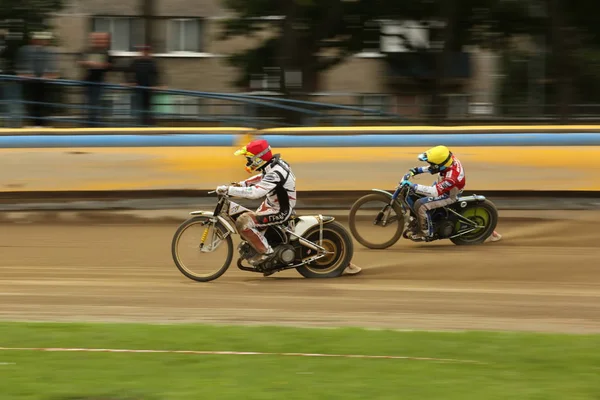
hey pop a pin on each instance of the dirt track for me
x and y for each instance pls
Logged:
(544, 276)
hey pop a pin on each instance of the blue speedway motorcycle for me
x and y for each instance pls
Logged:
(378, 220)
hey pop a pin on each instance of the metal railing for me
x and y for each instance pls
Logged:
(66, 105)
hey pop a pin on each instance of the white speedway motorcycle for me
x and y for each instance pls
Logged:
(316, 246)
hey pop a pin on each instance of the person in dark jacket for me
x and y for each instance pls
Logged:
(37, 61)
(143, 73)
(12, 89)
(96, 61)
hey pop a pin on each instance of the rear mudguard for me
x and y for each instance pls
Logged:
(222, 220)
(305, 222)
(464, 201)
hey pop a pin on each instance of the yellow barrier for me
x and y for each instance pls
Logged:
(487, 168)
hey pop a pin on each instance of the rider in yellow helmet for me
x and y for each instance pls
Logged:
(450, 184)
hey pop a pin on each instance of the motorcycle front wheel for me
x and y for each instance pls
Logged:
(362, 220)
(202, 249)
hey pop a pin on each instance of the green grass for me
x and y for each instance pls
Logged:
(518, 366)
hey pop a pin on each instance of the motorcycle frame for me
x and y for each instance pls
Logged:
(221, 215)
(400, 197)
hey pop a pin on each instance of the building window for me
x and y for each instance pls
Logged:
(185, 35)
(126, 32)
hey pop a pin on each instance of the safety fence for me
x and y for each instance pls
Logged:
(501, 158)
(73, 103)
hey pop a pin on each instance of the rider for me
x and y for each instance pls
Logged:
(275, 181)
(446, 191)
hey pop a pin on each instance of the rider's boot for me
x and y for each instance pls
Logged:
(426, 233)
(261, 257)
(259, 243)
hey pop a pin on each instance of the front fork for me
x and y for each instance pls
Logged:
(385, 213)
(204, 235)
(213, 243)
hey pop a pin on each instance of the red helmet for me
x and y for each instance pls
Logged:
(257, 152)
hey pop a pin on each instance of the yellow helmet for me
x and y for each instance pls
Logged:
(439, 157)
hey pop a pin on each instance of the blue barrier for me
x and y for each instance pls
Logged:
(187, 140)
(155, 140)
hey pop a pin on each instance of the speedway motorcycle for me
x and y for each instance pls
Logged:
(316, 246)
(469, 220)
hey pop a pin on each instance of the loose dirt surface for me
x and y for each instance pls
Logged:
(543, 276)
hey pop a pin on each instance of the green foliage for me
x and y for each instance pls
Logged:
(347, 27)
(340, 27)
(33, 13)
(326, 32)
(21, 19)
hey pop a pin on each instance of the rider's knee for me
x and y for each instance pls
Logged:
(420, 206)
(245, 222)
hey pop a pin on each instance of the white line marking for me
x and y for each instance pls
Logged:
(237, 353)
(7, 363)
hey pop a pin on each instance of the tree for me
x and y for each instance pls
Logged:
(25, 16)
(489, 24)
(312, 36)
(20, 18)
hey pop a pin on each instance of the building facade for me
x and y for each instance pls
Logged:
(192, 57)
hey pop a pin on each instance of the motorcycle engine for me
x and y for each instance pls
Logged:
(285, 253)
(445, 229)
(246, 251)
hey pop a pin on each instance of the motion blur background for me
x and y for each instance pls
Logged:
(119, 115)
(396, 62)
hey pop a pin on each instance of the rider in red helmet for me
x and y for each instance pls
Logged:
(275, 181)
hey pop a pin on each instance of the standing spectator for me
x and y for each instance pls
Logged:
(97, 62)
(143, 72)
(37, 61)
(11, 89)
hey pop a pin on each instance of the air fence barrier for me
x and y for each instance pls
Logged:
(506, 159)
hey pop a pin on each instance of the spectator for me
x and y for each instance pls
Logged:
(12, 89)
(97, 62)
(143, 72)
(37, 61)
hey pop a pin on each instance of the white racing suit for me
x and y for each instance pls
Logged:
(278, 184)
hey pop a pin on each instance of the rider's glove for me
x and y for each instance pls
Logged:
(412, 172)
(408, 183)
(222, 189)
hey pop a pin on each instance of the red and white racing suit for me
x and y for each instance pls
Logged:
(450, 185)
(278, 183)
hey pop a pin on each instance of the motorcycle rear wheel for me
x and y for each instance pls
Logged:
(483, 214)
(336, 240)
